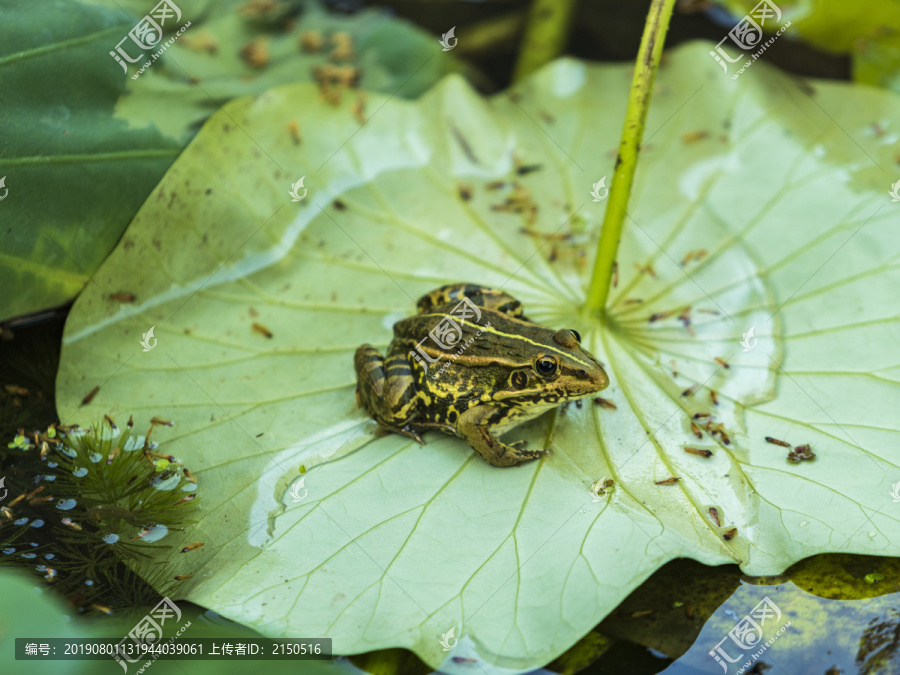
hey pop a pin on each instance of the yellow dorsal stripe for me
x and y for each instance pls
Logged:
(490, 329)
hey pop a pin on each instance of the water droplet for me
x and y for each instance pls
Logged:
(8, 551)
(52, 465)
(68, 452)
(872, 535)
(161, 482)
(80, 472)
(20, 521)
(88, 583)
(190, 487)
(96, 457)
(66, 504)
(29, 555)
(803, 523)
(156, 533)
(49, 556)
(49, 477)
(133, 443)
(111, 538)
(37, 523)
(33, 544)
(41, 568)
(110, 433)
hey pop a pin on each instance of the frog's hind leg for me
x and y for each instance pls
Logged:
(386, 389)
(482, 296)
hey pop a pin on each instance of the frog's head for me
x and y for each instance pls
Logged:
(559, 369)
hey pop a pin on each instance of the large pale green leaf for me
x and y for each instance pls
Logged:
(393, 544)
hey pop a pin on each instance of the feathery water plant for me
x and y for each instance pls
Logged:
(80, 502)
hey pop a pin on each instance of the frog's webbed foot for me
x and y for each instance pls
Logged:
(565, 406)
(387, 430)
(413, 435)
(473, 427)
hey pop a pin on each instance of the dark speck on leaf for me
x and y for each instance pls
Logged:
(339, 205)
(209, 191)
(90, 396)
(524, 170)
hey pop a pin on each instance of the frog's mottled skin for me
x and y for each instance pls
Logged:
(511, 372)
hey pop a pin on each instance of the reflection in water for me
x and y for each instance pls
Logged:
(878, 644)
(787, 630)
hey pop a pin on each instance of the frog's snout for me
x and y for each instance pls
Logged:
(600, 379)
(594, 379)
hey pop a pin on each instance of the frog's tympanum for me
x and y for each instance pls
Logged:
(472, 365)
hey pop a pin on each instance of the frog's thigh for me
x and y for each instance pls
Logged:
(385, 386)
(472, 426)
(489, 298)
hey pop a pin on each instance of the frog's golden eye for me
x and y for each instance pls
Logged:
(546, 366)
(519, 379)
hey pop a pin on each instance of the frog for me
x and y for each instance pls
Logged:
(470, 364)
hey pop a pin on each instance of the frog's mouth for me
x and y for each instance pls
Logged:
(584, 383)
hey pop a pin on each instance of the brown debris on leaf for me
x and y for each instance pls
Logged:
(200, 42)
(311, 41)
(519, 201)
(256, 52)
(802, 453)
(343, 47)
(334, 79)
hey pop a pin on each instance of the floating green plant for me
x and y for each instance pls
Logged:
(79, 503)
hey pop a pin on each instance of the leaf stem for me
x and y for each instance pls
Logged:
(545, 35)
(626, 161)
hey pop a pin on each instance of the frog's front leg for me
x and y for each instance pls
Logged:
(386, 389)
(474, 426)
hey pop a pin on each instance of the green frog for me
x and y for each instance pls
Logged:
(471, 364)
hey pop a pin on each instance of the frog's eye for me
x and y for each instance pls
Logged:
(576, 334)
(519, 379)
(546, 366)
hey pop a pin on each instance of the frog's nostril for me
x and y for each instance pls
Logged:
(581, 373)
